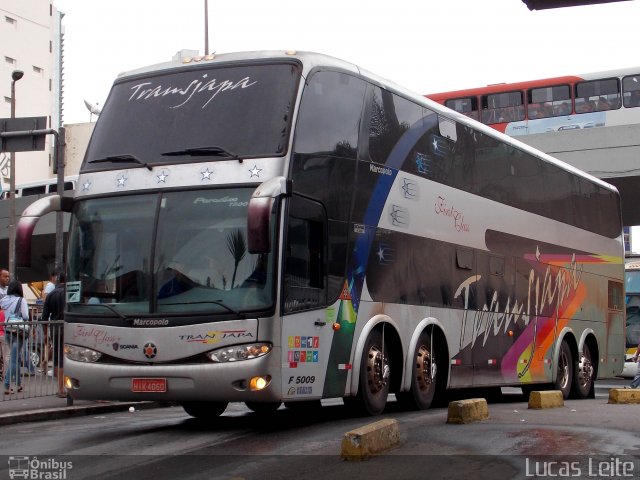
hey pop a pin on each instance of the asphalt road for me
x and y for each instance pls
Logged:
(585, 436)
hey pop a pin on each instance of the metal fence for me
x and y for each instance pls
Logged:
(27, 355)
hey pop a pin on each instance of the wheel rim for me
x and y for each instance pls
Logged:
(377, 369)
(423, 368)
(563, 369)
(585, 370)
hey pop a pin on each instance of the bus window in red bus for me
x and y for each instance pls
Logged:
(550, 101)
(631, 91)
(598, 95)
(502, 107)
(467, 106)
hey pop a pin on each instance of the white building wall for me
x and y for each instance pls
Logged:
(28, 30)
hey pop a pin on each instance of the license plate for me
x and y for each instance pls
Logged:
(149, 385)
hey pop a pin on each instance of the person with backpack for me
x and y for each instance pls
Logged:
(14, 305)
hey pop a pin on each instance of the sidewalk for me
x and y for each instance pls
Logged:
(36, 409)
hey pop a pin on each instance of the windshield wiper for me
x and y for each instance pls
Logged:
(105, 305)
(125, 157)
(213, 150)
(215, 302)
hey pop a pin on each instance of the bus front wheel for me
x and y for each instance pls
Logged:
(375, 371)
(423, 376)
(564, 374)
(205, 410)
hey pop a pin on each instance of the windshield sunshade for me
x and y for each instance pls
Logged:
(170, 117)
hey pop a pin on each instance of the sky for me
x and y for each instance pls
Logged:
(427, 46)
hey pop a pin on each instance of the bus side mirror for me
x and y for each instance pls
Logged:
(29, 220)
(259, 213)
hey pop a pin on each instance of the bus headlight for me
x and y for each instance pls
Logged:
(239, 352)
(81, 354)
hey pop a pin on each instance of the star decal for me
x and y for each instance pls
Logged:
(381, 254)
(206, 174)
(122, 179)
(162, 178)
(255, 172)
(86, 186)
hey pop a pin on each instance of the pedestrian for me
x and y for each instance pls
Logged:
(53, 309)
(51, 284)
(4, 346)
(48, 288)
(14, 303)
(636, 380)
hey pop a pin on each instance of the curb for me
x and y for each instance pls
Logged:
(78, 411)
(624, 396)
(546, 399)
(370, 439)
(467, 411)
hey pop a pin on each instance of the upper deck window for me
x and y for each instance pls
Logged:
(549, 101)
(597, 95)
(467, 106)
(502, 107)
(631, 91)
(242, 108)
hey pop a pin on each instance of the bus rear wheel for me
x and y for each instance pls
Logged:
(375, 370)
(423, 376)
(564, 374)
(205, 410)
(583, 380)
(263, 407)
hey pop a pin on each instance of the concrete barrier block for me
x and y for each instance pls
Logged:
(546, 399)
(624, 395)
(370, 439)
(467, 411)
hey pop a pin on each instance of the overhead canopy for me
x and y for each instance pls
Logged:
(546, 4)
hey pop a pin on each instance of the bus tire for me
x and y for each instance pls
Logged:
(423, 376)
(205, 410)
(263, 407)
(375, 371)
(585, 372)
(564, 374)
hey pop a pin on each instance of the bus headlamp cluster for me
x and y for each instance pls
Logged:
(81, 354)
(239, 352)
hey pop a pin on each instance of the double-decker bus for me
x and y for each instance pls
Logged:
(601, 99)
(273, 227)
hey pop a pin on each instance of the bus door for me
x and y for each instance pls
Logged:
(306, 326)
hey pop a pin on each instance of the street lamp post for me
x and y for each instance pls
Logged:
(15, 76)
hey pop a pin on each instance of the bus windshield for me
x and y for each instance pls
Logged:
(242, 111)
(157, 252)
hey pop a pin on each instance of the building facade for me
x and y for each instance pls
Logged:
(31, 40)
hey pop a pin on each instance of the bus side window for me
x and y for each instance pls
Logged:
(305, 256)
(631, 91)
(38, 190)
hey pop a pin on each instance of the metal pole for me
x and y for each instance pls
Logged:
(15, 76)
(206, 27)
(60, 191)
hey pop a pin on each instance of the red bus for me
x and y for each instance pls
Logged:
(609, 98)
